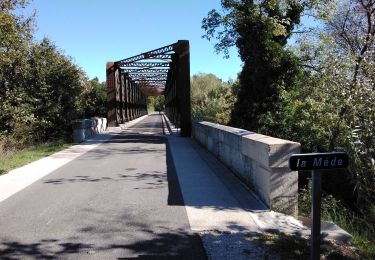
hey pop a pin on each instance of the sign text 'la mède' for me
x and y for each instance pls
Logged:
(316, 161)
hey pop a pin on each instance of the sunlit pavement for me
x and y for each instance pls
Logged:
(132, 193)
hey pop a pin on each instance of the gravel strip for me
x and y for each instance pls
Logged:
(228, 245)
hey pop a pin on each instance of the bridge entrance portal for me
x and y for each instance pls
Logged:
(163, 71)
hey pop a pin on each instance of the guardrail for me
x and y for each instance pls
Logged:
(260, 161)
(85, 128)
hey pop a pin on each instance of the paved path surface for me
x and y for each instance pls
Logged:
(110, 203)
(132, 193)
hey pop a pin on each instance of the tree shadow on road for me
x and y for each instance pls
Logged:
(168, 245)
(174, 189)
(44, 249)
(147, 180)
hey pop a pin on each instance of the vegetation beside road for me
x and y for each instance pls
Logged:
(294, 247)
(211, 98)
(312, 83)
(41, 90)
(17, 159)
(155, 103)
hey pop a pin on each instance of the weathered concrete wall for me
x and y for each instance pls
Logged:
(83, 129)
(260, 161)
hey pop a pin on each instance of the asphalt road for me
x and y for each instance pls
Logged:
(120, 200)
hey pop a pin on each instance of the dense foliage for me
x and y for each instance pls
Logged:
(341, 59)
(155, 103)
(41, 90)
(93, 99)
(319, 91)
(211, 98)
(260, 32)
(335, 108)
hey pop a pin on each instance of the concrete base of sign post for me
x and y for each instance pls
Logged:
(329, 230)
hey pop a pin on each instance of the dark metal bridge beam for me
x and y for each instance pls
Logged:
(161, 57)
(154, 71)
(145, 65)
(137, 74)
(170, 73)
(177, 90)
(150, 80)
(125, 99)
(147, 75)
(149, 54)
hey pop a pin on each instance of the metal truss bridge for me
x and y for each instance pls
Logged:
(163, 71)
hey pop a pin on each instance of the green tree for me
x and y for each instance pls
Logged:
(323, 96)
(344, 61)
(15, 109)
(159, 103)
(211, 98)
(334, 107)
(260, 31)
(15, 37)
(93, 100)
(54, 85)
(39, 86)
(155, 103)
(306, 115)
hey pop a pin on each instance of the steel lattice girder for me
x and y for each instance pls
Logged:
(154, 71)
(161, 57)
(172, 60)
(145, 65)
(147, 75)
(144, 69)
(150, 80)
(148, 55)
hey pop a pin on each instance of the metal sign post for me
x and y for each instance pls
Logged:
(315, 208)
(313, 162)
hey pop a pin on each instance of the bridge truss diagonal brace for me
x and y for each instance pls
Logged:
(153, 71)
(125, 100)
(160, 53)
(144, 65)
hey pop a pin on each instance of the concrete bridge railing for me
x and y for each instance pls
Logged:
(85, 128)
(260, 161)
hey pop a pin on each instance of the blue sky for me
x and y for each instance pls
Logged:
(93, 32)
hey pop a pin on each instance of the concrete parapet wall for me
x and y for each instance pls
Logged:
(260, 161)
(85, 128)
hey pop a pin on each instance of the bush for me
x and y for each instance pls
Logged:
(211, 98)
(41, 90)
(155, 103)
(93, 100)
(332, 209)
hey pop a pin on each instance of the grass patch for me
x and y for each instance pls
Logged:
(17, 159)
(361, 230)
(358, 225)
(295, 247)
(287, 247)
